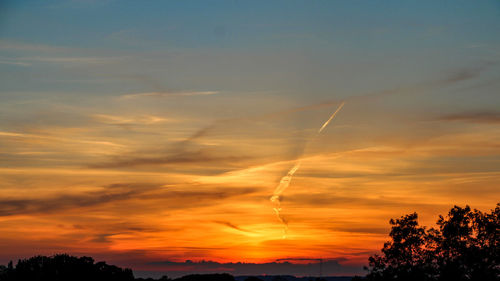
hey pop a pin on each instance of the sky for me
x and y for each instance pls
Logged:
(152, 134)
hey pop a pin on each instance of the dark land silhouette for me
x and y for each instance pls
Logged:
(464, 246)
(306, 267)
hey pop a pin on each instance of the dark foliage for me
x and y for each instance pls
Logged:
(465, 246)
(62, 268)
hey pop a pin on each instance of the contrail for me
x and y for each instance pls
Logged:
(331, 117)
(285, 181)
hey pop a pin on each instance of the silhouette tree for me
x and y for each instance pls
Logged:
(64, 267)
(466, 246)
(403, 258)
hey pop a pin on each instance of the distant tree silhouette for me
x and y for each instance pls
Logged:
(466, 246)
(63, 267)
(206, 277)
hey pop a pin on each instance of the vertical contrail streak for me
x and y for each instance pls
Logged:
(285, 181)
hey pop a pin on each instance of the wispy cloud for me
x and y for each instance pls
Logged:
(10, 207)
(168, 94)
(159, 90)
(194, 157)
(25, 46)
(29, 54)
(474, 117)
(129, 120)
(57, 138)
(61, 59)
(175, 199)
(71, 59)
(467, 73)
(14, 62)
(452, 77)
(231, 225)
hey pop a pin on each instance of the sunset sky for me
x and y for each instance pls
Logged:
(147, 133)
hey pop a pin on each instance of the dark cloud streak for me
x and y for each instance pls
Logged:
(173, 199)
(492, 117)
(230, 225)
(202, 156)
(9, 207)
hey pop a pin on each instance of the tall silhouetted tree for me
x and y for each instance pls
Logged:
(403, 258)
(465, 246)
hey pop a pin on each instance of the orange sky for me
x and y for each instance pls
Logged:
(178, 188)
